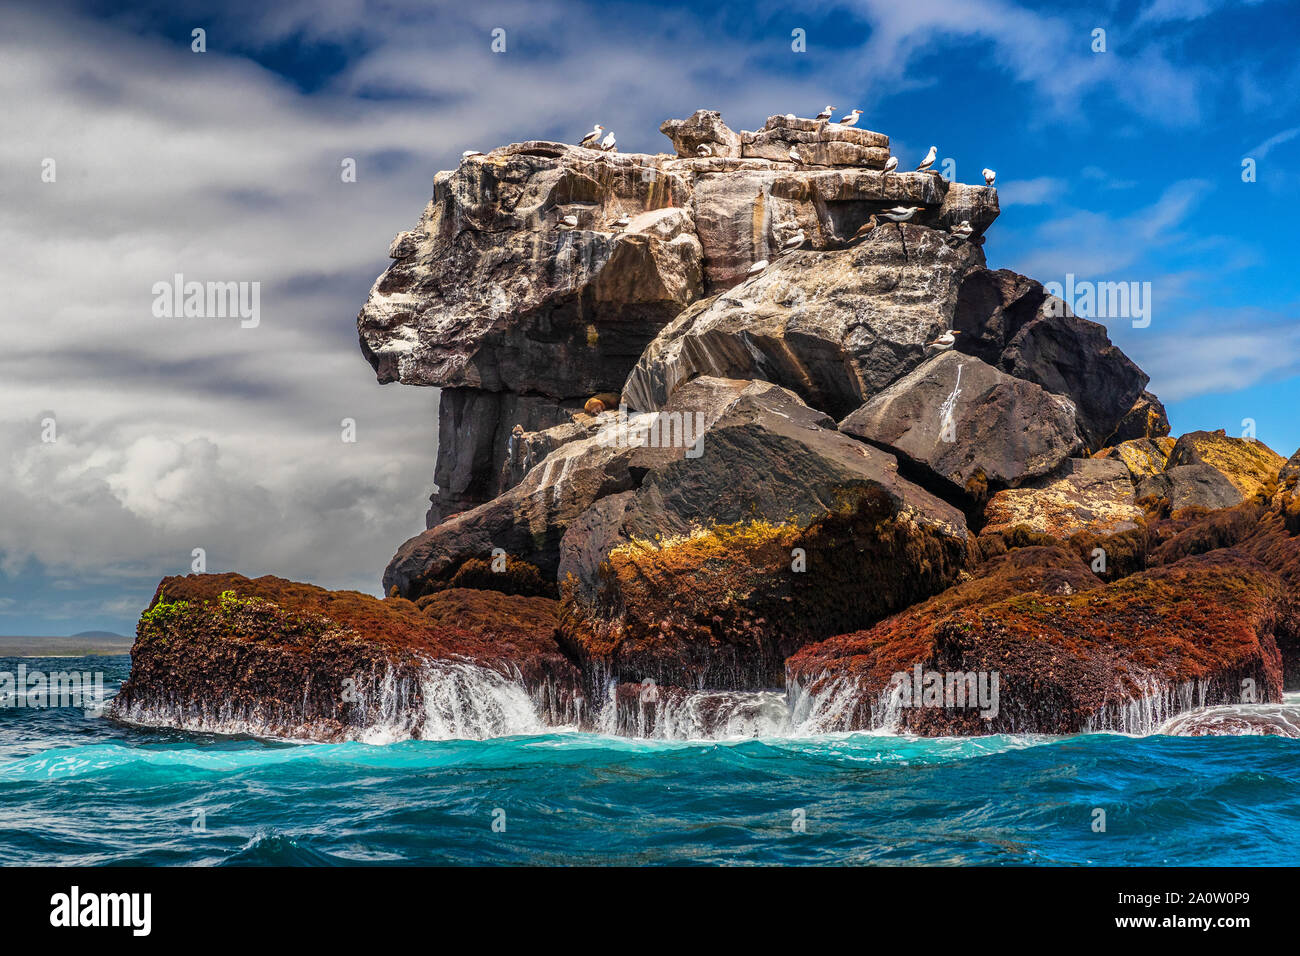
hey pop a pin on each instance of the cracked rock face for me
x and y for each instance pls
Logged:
(1011, 322)
(1089, 494)
(539, 272)
(834, 327)
(495, 290)
(966, 423)
(763, 453)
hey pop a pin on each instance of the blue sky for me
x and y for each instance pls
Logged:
(1123, 165)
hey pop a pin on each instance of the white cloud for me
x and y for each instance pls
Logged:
(1032, 192)
(1277, 139)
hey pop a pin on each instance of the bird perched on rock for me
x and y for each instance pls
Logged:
(826, 113)
(900, 213)
(929, 159)
(591, 138)
(963, 229)
(989, 176)
(851, 119)
(570, 221)
(794, 242)
(757, 267)
(471, 152)
(703, 150)
(608, 143)
(891, 164)
(795, 157)
(866, 228)
(622, 221)
(945, 341)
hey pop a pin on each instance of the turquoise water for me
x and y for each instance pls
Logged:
(84, 790)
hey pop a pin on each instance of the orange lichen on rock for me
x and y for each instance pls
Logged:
(725, 605)
(1249, 464)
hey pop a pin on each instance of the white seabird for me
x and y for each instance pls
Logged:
(609, 142)
(851, 119)
(900, 213)
(945, 341)
(622, 221)
(794, 242)
(891, 164)
(795, 157)
(591, 138)
(827, 113)
(570, 221)
(963, 229)
(471, 152)
(989, 176)
(929, 159)
(757, 267)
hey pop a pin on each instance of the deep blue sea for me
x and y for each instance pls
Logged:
(87, 791)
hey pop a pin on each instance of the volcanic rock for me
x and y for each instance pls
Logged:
(1191, 486)
(1146, 419)
(1249, 464)
(1069, 655)
(501, 295)
(221, 652)
(476, 457)
(703, 128)
(965, 421)
(1143, 457)
(834, 327)
(1011, 322)
(741, 462)
(818, 142)
(745, 216)
(1091, 494)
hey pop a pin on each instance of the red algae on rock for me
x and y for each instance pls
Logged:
(1069, 653)
(276, 657)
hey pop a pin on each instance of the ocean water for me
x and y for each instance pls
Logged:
(88, 791)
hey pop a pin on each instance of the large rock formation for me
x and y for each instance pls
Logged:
(721, 452)
(835, 327)
(1013, 323)
(540, 271)
(783, 530)
(1191, 486)
(966, 423)
(229, 654)
(1036, 644)
(1250, 465)
(665, 572)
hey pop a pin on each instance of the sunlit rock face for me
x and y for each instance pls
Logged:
(538, 273)
(963, 422)
(722, 452)
(836, 327)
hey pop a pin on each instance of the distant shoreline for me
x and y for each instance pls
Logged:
(21, 646)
